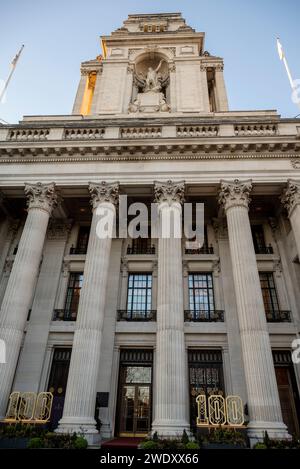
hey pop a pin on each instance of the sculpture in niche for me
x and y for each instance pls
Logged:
(150, 85)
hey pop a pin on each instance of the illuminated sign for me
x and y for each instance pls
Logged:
(29, 407)
(217, 410)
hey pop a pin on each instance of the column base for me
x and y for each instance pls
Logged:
(82, 426)
(276, 430)
(170, 428)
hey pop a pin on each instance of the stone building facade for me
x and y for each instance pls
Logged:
(130, 331)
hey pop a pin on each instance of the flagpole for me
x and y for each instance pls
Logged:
(283, 58)
(14, 63)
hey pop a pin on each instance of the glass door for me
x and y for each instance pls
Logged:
(135, 400)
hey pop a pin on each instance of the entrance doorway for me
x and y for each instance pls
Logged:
(58, 382)
(287, 389)
(134, 413)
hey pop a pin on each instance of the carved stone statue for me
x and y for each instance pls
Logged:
(151, 99)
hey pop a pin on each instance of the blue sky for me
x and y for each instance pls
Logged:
(59, 34)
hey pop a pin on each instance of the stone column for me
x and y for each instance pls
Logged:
(221, 95)
(18, 294)
(171, 377)
(291, 201)
(80, 398)
(80, 92)
(263, 399)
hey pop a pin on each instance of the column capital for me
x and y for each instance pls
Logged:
(235, 193)
(291, 195)
(103, 192)
(169, 192)
(42, 196)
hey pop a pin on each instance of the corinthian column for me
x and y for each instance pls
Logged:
(171, 377)
(79, 408)
(19, 291)
(263, 400)
(291, 201)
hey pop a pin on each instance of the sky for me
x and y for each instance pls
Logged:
(60, 34)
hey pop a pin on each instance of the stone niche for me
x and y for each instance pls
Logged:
(151, 81)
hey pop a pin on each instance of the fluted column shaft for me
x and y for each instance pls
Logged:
(79, 407)
(263, 398)
(291, 200)
(171, 390)
(22, 280)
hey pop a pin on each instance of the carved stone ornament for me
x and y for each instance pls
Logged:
(291, 195)
(42, 196)
(104, 192)
(236, 193)
(169, 192)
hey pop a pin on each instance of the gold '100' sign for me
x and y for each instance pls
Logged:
(216, 410)
(29, 407)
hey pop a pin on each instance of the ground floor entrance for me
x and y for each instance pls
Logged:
(134, 408)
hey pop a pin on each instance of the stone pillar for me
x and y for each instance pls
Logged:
(32, 356)
(221, 95)
(171, 377)
(80, 92)
(291, 201)
(80, 398)
(263, 399)
(18, 294)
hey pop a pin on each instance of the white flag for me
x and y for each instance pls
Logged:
(280, 49)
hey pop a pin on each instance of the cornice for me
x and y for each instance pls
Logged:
(152, 156)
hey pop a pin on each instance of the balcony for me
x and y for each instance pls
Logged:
(215, 315)
(264, 249)
(78, 250)
(203, 250)
(278, 316)
(136, 315)
(141, 247)
(64, 315)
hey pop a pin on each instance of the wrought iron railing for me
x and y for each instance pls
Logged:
(214, 315)
(136, 315)
(140, 249)
(278, 316)
(264, 249)
(80, 250)
(203, 250)
(64, 315)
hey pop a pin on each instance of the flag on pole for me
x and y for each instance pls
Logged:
(13, 66)
(280, 49)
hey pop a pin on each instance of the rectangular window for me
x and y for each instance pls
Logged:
(73, 295)
(139, 296)
(269, 295)
(201, 295)
(82, 241)
(258, 237)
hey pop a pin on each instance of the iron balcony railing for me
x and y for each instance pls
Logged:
(140, 249)
(81, 250)
(203, 250)
(136, 315)
(264, 249)
(215, 315)
(64, 315)
(278, 316)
